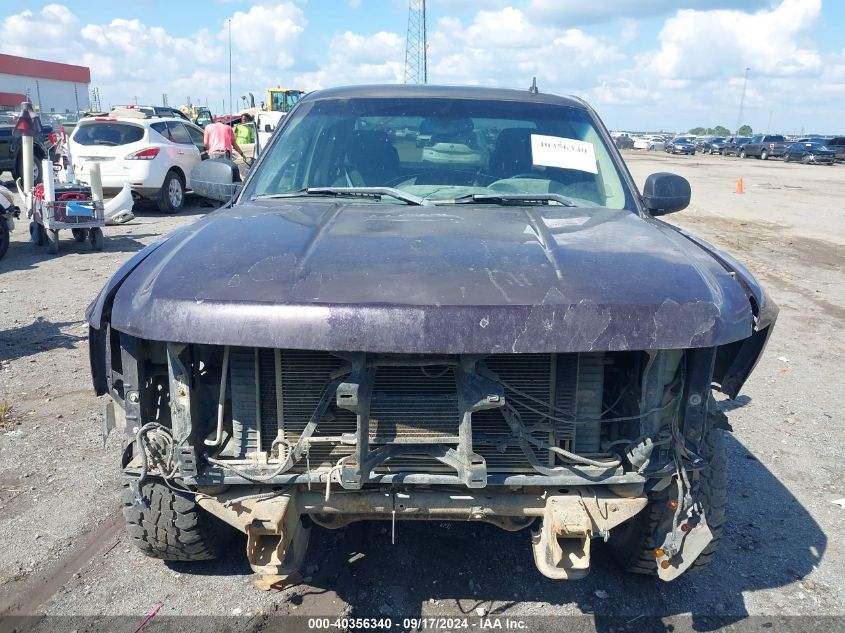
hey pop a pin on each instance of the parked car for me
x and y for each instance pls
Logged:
(452, 142)
(653, 143)
(837, 144)
(149, 110)
(733, 145)
(763, 145)
(155, 155)
(228, 119)
(715, 145)
(624, 142)
(10, 150)
(641, 142)
(525, 344)
(681, 145)
(809, 153)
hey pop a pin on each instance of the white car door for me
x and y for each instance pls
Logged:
(198, 137)
(188, 155)
(266, 123)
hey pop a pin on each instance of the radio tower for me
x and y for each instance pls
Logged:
(416, 58)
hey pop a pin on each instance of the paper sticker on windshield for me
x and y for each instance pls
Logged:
(566, 153)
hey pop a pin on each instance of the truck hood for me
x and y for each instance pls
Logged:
(333, 275)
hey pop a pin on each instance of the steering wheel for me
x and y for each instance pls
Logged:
(530, 175)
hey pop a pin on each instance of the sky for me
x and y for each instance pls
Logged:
(642, 64)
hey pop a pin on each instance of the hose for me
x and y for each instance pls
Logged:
(221, 400)
(295, 453)
(512, 417)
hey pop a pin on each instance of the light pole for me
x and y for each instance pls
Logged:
(742, 100)
(230, 65)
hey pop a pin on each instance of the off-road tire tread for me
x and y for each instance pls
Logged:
(633, 542)
(174, 527)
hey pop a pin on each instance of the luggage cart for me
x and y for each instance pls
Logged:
(73, 209)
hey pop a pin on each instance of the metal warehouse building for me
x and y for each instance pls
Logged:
(52, 87)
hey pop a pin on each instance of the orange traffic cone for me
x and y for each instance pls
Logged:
(739, 188)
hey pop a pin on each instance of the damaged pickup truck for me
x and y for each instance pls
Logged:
(490, 325)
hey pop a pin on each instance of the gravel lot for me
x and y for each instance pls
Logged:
(64, 552)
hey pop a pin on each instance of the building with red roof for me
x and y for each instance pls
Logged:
(51, 86)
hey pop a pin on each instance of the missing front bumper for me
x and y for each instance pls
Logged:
(277, 538)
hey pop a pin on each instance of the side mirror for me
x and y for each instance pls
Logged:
(216, 178)
(268, 127)
(666, 193)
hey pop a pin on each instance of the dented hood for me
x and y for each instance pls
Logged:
(333, 275)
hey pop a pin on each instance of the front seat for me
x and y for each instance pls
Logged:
(512, 153)
(371, 160)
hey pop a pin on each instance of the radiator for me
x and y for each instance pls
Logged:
(275, 392)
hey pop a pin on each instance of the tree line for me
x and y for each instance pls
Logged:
(720, 130)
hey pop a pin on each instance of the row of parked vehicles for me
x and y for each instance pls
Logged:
(809, 150)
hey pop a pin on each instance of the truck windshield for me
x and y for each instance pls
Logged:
(443, 149)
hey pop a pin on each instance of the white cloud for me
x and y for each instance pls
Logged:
(690, 74)
(506, 48)
(577, 12)
(708, 44)
(51, 26)
(128, 58)
(266, 34)
(695, 74)
(358, 59)
(622, 92)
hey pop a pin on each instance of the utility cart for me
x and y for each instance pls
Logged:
(73, 209)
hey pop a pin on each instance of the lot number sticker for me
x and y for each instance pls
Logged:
(566, 153)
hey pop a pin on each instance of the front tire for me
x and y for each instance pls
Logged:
(742, 154)
(37, 176)
(171, 196)
(632, 543)
(174, 527)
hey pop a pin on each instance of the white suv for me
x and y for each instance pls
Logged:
(154, 155)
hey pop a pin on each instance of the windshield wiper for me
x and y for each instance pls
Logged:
(512, 199)
(350, 192)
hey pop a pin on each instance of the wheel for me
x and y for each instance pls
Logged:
(37, 233)
(52, 241)
(786, 158)
(4, 236)
(36, 169)
(79, 234)
(764, 155)
(171, 196)
(632, 543)
(173, 527)
(95, 236)
(742, 154)
(805, 160)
